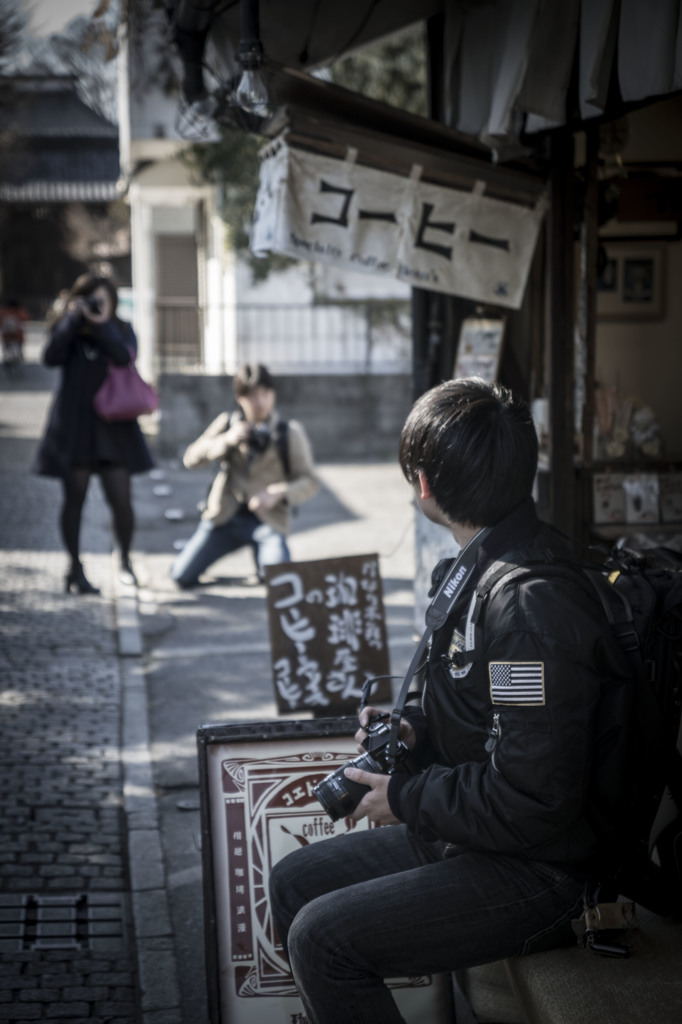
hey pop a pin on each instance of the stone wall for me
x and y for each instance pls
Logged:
(348, 418)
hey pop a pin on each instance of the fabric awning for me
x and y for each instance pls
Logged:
(510, 62)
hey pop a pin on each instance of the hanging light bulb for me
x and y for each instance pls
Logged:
(251, 93)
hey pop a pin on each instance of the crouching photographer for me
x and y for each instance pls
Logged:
(508, 799)
(266, 468)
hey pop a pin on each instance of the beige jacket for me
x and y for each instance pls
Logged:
(238, 479)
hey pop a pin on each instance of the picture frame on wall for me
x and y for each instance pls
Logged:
(479, 349)
(631, 282)
(256, 782)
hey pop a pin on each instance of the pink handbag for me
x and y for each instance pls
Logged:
(123, 395)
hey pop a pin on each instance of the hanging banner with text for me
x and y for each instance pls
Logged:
(327, 633)
(447, 240)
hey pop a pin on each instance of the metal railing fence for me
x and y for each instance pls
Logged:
(354, 337)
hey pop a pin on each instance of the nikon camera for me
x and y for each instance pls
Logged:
(340, 796)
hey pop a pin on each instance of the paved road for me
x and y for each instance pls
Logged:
(102, 698)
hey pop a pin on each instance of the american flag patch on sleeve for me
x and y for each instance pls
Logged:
(517, 682)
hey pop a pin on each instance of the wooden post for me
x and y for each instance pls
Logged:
(561, 330)
(590, 242)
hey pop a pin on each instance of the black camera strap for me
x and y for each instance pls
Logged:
(447, 596)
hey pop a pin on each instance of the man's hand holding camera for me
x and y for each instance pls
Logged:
(374, 805)
(344, 795)
(369, 715)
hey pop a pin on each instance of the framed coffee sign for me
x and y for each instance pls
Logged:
(256, 784)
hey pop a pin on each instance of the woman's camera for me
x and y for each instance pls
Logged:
(93, 304)
(340, 796)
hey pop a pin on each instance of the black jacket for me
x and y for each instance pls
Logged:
(75, 435)
(528, 739)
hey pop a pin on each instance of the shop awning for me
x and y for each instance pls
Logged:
(508, 64)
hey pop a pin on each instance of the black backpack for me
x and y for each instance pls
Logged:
(641, 593)
(642, 598)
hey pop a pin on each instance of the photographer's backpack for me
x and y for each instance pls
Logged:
(641, 593)
(643, 601)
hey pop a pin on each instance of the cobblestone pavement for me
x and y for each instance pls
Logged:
(66, 944)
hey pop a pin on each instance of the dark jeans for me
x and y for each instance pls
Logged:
(381, 903)
(210, 542)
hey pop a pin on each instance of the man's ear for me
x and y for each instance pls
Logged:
(424, 486)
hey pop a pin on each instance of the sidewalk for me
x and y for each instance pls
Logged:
(102, 697)
(207, 654)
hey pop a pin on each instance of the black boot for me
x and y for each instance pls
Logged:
(77, 582)
(126, 573)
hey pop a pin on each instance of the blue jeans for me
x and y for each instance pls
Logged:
(358, 908)
(210, 542)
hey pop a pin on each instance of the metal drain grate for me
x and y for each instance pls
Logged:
(83, 921)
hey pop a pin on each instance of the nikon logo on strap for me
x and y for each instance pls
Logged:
(454, 583)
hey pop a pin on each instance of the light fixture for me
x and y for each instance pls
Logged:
(251, 93)
(244, 102)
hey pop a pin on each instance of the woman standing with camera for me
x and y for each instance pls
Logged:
(84, 339)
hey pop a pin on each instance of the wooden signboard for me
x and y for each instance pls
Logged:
(327, 633)
(257, 805)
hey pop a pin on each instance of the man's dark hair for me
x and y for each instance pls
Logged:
(250, 376)
(477, 446)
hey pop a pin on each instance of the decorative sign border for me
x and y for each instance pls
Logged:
(257, 805)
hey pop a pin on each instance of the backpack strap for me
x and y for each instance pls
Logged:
(282, 441)
(492, 580)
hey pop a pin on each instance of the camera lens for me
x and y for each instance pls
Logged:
(340, 796)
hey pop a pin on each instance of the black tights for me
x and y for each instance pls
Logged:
(116, 487)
